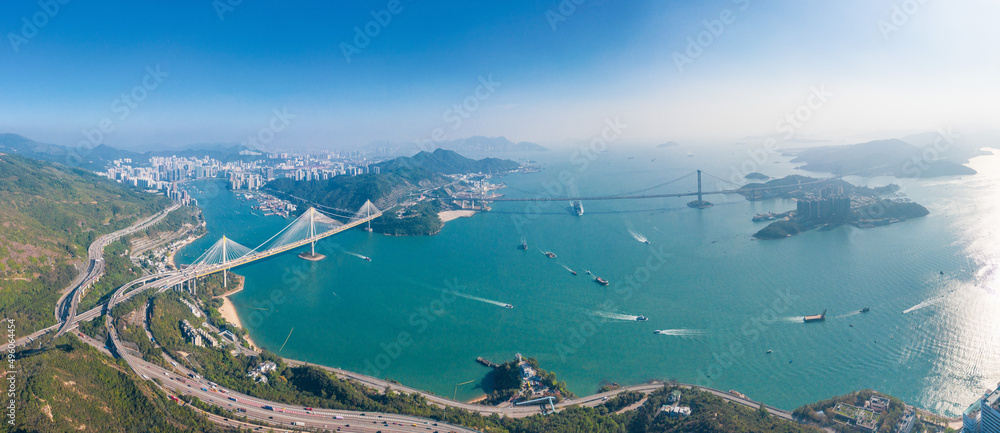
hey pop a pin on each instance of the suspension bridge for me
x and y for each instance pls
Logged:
(639, 194)
(314, 224)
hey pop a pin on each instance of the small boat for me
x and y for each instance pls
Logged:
(646, 242)
(524, 246)
(508, 306)
(601, 281)
(641, 319)
(769, 351)
(550, 254)
(368, 258)
(572, 272)
(658, 332)
(865, 310)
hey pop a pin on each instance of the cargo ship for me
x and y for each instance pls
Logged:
(601, 281)
(816, 318)
(550, 254)
(577, 207)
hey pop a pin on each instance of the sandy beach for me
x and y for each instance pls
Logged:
(228, 312)
(449, 215)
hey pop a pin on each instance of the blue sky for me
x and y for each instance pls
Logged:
(223, 78)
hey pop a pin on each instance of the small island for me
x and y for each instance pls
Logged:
(828, 203)
(520, 380)
(757, 176)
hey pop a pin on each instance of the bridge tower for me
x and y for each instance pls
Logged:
(312, 231)
(700, 203)
(225, 272)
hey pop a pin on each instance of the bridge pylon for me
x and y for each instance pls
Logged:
(700, 203)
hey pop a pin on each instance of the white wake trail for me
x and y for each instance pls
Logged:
(476, 298)
(637, 236)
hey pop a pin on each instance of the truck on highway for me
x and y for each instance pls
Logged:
(232, 398)
(298, 423)
(204, 389)
(265, 407)
(338, 417)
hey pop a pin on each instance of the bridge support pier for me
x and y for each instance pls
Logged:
(700, 203)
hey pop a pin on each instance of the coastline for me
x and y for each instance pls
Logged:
(184, 243)
(228, 312)
(448, 215)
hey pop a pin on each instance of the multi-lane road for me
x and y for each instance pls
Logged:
(70, 300)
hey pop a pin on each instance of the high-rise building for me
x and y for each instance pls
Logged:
(983, 416)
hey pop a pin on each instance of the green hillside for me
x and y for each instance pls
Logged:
(50, 214)
(72, 387)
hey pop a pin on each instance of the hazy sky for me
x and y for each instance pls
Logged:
(558, 71)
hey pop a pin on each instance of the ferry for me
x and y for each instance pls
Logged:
(865, 310)
(508, 306)
(601, 281)
(659, 331)
(816, 318)
(577, 207)
(641, 319)
(550, 254)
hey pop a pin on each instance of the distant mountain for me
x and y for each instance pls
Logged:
(476, 144)
(98, 157)
(668, 144)
(447, 162)
(881, 157)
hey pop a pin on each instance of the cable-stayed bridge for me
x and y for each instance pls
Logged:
(311, 226)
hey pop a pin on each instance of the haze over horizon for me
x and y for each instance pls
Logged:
(543, 74)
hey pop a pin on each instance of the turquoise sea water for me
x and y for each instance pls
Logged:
(425, 307)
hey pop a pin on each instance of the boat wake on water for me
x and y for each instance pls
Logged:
(616, 316)
(638, 236)
(476, 298)
(793, 319)
(568, 269)
(924, 304)
(853, 313)
(680, 332)
(359, 255)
